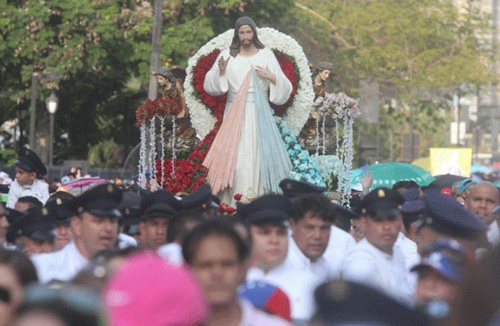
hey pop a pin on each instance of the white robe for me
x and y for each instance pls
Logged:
(247, 172)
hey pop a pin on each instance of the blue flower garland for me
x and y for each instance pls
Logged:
(305, 167)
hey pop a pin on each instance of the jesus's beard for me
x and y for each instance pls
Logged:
(246, 46)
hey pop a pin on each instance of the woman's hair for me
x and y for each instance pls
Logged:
(213, 228)
(21, 264)
(234, 48)
(322, 66)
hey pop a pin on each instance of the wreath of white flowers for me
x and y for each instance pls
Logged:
(297, 114)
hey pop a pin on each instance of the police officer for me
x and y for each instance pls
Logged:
(445, 218)
(94, 226)
(375, 260)
(158, 209)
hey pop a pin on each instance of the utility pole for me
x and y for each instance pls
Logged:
(494, 115)
(155, 48)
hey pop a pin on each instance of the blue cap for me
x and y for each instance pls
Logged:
(447, 216)
(447, 257)
(412, 210)
(466, 183)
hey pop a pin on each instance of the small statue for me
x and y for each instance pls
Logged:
(171, 87)
(308, 135)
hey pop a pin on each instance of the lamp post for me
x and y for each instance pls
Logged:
(52, 101)
(35, 78)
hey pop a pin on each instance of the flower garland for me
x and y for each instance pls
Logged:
(206, 110)
(304, 166)
(343, 110)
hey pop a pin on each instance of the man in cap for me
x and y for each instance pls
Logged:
(94, 226)
(56, 208)
(268, 217)
(440, 272)
(158, 209)
(375, 260)
(482, 200)
(445, 218)
(28, 168)
(340, 241)
(33, 232)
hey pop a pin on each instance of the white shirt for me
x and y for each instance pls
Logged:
(172, 252)
(305, 276)
(61, 265)
(493, 233)
(339, 245)
(125, 241)
(412, 258)
(369, 265)
(252, 316)
(39, 190)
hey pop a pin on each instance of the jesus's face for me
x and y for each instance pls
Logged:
(246, 35)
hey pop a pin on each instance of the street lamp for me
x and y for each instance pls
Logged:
(52, 101)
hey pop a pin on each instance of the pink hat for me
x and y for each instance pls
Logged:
(147, 290)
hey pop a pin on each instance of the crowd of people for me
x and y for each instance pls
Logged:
(124, 255)
(128, 256)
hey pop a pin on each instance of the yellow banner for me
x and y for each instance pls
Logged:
(455, 161)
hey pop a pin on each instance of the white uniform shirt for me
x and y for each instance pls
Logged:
(493, 233)
(60, 265)
(39, 190)
(304, 279)
(368, 265)
(412, 258)
(251, 316)
(172, 252)
(339, 245)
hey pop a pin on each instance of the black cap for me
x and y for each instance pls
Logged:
(341, 302)
(32, 224)
(130, 207)
(100, 200)
(12, 215)
(202, 197)
(381, 203)
(344, 212)
(293, 188)
(159, 204)
(447, 216)
(267, 208)
(30, 162)
(56, 207)
(412, 210)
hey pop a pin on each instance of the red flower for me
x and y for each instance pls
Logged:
(225, 208)
(217, 104)
(238, 196)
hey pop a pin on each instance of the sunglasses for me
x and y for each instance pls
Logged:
(4, 294)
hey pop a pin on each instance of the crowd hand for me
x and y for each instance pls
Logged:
(223, 65)
(366, 182)
(265, 73)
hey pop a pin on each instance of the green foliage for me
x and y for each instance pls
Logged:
(99, 153)
(102, 47)
(8, 157)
